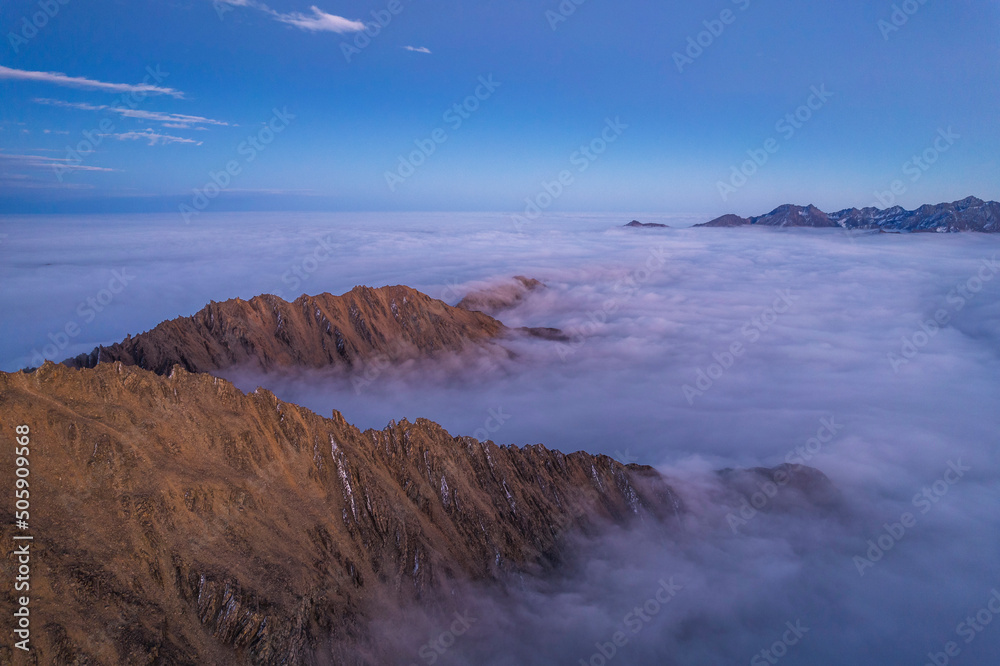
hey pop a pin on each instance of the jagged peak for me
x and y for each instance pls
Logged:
(313, 331)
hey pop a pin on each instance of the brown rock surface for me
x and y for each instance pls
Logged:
(179, 521)
(266, 332)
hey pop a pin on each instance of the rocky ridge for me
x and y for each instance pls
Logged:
(392, 323)
(969, 214)
(179, 520)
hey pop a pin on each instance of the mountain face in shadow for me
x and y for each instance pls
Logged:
(970, 214)
(636, 224)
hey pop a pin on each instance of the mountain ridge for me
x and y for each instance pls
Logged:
(181, 519)
(969, 214)
(394, 323)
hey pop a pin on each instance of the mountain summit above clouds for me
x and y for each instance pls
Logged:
(187, 522)
(969, 214)
(223, 527)
(395, 323)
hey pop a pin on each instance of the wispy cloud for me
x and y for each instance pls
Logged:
(317, 21)
(154, 138)
(21, 182)
(176, 120)
(320, 21)
(417, 49)
(42, 162)
(59, 79)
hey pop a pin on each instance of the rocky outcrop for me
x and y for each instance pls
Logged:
(177, 520)
(390, 323)
(505, 295)
(499, 297)
(636, 224)
(782, 488)
(969, 214)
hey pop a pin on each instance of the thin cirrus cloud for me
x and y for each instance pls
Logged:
(175, 120)
(320, 21)
(42, 162)
(317, 21)
(154, 138)
(417, 49)
(59, 79)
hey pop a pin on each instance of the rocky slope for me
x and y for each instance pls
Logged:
(179, 521)
(266, 332)
(970, 214)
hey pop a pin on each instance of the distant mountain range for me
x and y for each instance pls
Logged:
(970, 214)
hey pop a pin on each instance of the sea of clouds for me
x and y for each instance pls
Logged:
(872, 357)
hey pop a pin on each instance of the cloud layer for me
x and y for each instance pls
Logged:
(821, 318)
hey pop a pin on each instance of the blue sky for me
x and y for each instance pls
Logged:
(558, 78)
